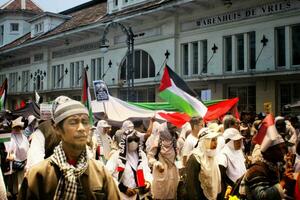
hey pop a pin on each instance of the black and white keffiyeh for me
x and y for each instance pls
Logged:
(67, 184)
(123, 158)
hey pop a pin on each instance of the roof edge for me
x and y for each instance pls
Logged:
(81, 6)
(49, 14)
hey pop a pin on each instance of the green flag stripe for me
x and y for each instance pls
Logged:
(178, 102)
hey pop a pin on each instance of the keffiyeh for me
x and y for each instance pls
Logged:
(67, 184)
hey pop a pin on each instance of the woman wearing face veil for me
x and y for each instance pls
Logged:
(129, 166)
(203, 175)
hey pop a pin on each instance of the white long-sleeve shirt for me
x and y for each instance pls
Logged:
(36, 152)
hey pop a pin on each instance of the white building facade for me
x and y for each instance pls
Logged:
(222, 49)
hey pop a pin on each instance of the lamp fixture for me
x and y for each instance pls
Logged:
(214, 48)
(109, 64)
(167, 54)
(264, 40)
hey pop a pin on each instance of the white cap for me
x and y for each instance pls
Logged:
(127, 125)
(232, 134)
(208, 133)
(103, 124)
(30, 119)
(17, 122)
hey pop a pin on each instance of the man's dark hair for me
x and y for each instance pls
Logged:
(195, 121)
(229, 121)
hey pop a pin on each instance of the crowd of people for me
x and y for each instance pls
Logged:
(68, 158)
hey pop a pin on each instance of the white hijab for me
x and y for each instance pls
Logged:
(209, 175)
(236, 161)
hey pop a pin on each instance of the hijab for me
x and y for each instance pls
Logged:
(209, 175)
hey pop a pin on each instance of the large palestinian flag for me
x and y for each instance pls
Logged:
(175, 91)
(3, 94)
(86, 96)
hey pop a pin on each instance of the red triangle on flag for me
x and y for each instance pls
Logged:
(165, 81)
(266, 123)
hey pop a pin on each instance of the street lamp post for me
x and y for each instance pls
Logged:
(129, 55)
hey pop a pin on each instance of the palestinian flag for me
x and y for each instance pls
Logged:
(174, 90)
(267, 134)
(3, 94)
(86, 96)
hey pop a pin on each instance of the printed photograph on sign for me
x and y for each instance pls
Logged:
(101, 91)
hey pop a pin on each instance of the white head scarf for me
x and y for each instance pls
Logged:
(127, 126)
(209, 175)
(236, 160)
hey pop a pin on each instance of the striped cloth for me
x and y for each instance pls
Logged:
(67, 185)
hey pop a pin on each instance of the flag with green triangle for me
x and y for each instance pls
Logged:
(174, 90)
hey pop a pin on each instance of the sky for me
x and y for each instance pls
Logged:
(54, 5)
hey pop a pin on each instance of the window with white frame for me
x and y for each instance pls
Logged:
(96, 68)
(288, 94)
(239, 52)
(116, 2)
(185, 57)
(252, 49)
(38, 57)
(140, 94)
(295, 44)
(228, 53)
(194, 57)
(13, 82)
(14, 27)
(58, 76)
(280, 46)
(25, 81)
(246, 94)
(39, 28)
(143, 65)
(75, 73)
(287, 33)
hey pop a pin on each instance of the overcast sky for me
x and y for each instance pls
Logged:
(54, 5)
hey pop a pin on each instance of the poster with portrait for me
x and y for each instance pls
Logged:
(101, 91)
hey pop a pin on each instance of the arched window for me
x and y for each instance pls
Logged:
(38, 82)
(142, 63)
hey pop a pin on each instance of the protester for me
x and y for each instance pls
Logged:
(69, 173)
(162, 158)
(192, 140)
(231, 159)
(230, 121)
(32, 122)
(104, 141)
(43, 142)
(203, 174)
(261, 181)
(17, 154)
(129, 166)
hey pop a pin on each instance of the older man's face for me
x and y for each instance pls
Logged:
(75, 131)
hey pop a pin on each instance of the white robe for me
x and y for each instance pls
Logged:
(128, 175)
